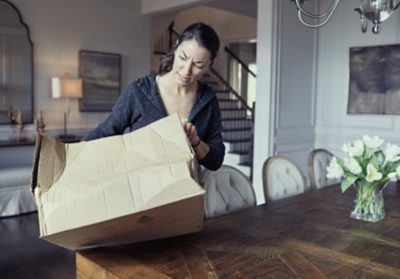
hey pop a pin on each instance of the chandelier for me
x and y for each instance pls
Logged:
(375, 11)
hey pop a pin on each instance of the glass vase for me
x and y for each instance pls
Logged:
(369, 204)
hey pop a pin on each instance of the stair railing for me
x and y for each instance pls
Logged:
(244, 65)
(166, 41)
(236, 95)
(251, 110)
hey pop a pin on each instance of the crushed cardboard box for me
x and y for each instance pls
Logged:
(117, 190)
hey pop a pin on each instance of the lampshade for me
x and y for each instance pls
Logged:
(66, 87)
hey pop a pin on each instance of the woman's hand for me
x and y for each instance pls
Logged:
(191, 134)
(200, 147)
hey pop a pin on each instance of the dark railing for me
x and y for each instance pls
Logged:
(172, 33)
(236, 95)
(244, 65)
(166, 41)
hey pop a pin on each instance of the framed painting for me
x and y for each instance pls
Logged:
(374, 85)
(101, 76)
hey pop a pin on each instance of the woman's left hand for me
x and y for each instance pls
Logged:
(200, 147)
(191, 133)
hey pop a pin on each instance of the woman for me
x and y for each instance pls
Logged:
(176, 88)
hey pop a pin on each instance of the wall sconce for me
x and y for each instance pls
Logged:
(69, 88)
(375, 11)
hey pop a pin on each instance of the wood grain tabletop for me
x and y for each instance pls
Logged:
(307, 236)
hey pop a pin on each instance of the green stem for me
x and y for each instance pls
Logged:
(369, 202)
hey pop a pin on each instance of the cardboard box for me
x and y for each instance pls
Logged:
(120, 189)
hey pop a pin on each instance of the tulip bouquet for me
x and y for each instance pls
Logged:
(369, 168)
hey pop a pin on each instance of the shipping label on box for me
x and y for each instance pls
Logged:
(120, 189)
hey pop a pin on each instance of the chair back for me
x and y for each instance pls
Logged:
(281, 178)
(227, 190)
(318, 161)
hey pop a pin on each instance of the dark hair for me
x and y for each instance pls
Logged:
(204, 35)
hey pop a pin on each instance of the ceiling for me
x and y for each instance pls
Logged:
(243, 7)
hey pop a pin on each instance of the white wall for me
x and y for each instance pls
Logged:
(264, 113)
(334, 126)
(59, 29)
(294, 123)
(284, 123)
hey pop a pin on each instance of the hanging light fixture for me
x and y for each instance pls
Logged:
(375, 11)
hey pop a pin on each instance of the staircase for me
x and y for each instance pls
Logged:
(236, 115)
(237, 124)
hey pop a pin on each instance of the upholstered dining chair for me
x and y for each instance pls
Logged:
(281, 178)
(318, 161)
(15, 191)
(227, 190)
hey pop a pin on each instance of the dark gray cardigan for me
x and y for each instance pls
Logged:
(140, 104)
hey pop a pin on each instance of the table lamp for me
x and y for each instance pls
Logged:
(69, 88)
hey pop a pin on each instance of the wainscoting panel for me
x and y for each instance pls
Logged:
(295, 145)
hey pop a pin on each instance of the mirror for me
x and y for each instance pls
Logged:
(16, 66)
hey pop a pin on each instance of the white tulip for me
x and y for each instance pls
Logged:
(392, 152)
(372, 142)
(353, 166)
(354, 149)
(334, 170)
(372, 173)
(346, 149)
(358, 148)
(398, 171)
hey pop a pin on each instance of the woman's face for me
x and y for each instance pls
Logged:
(191, 62)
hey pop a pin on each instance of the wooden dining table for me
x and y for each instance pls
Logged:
(310, 235)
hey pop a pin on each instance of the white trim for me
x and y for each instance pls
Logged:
(266, 89)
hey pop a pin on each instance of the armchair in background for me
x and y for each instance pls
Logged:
(227, 190)
(15, 191)
(281, 178)
(318, 161)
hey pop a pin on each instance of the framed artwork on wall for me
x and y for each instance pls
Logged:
(101, 76)
(374, 85)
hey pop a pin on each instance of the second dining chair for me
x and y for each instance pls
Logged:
(227, 190)
(318, 161)
(281, 178)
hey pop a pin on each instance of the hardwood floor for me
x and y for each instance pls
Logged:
(24, 255)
